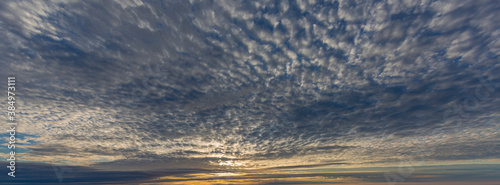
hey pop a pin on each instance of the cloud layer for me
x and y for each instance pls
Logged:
(265, 84)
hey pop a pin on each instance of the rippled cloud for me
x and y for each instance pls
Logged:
(248, 85)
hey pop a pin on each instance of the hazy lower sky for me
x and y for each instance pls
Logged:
(253, 92)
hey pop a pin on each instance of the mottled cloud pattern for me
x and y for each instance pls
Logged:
(253, 84)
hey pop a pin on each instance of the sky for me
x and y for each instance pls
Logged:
(253, 92)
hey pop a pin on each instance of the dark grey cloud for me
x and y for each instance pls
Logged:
(39, 173)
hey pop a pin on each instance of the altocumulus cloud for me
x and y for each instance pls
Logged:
(253, 84)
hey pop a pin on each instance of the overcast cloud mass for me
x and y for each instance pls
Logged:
(253, 92)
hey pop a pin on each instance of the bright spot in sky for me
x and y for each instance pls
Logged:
(226, 174)
(230, 163)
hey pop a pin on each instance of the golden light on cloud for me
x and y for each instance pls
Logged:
(230, 163)
(254, 178)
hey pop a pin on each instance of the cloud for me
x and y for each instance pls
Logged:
(40, 173)
(270, 84)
